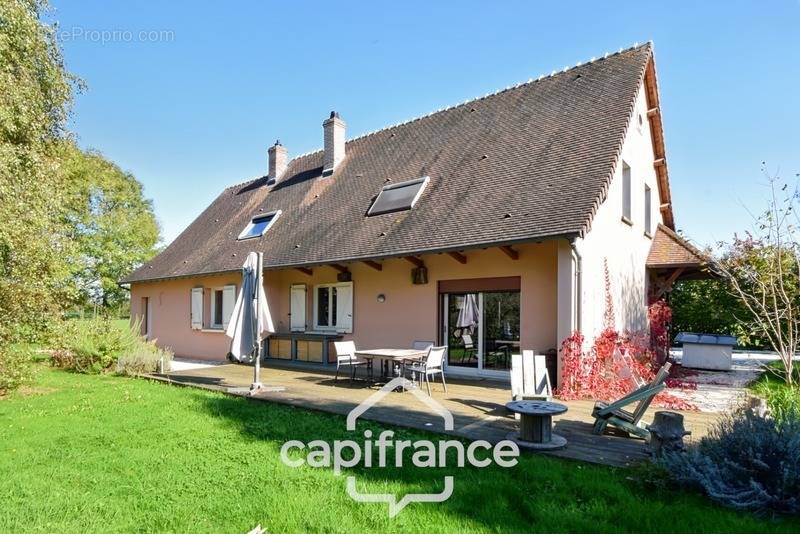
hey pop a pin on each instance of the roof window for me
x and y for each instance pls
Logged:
(258, 226)
(398, 197)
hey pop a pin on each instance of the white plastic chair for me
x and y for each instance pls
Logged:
(346, 356)
(430, 366)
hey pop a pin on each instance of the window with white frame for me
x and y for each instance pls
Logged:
(211, 308)
(259, 225)
(647, 210)
(626, 193)
(333, 307)
(216, 308)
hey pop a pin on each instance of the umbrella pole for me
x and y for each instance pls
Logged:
(256, 385)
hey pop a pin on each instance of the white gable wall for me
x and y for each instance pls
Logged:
(623, 246)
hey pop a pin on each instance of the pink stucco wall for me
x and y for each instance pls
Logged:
(408, 313)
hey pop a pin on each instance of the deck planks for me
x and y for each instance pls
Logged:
(478, 408)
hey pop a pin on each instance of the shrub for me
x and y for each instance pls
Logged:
(99, 345)
(143, 358)
(15, 367)
(92, 345)
(747, 462)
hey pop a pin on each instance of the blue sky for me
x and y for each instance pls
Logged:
(194, 111)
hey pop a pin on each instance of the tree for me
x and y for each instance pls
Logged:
(763, 269)
(111, 223)
(35, 97)
(710, 306)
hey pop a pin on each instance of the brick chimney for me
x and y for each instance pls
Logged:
(278, 159)
(334, 128)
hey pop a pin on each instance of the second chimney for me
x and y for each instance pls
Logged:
(278, 159)
(334, 128)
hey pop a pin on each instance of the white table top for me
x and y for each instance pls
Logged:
(392, 354)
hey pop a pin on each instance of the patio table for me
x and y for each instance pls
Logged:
(536, 424)
(388, 357)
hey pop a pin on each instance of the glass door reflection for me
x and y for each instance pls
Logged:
(482, 329)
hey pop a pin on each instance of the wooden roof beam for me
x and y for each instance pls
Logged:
(652, 112)
(374, 264)
(660, 162)
(415, 260)
(305, 270)
(460, 258)
(340, 268)
(510, 252)
(668, 282)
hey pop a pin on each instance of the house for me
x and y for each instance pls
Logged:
(489, 226)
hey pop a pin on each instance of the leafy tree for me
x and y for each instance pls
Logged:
(111, 223)
(709, 306)
(35, 97)
(763, 269)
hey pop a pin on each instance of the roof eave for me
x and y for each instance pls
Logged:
(354, 259)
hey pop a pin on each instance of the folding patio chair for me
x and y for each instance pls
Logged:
(469, 348)
(614, 413)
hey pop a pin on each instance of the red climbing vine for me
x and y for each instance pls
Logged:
(603, 372)
(659, 315)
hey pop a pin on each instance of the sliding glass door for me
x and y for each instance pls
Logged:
(500, 317)
(481, 330)
(462, 329)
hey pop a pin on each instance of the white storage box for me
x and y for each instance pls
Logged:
(706, 351)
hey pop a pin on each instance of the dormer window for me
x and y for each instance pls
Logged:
(398, 197)
(258, 226)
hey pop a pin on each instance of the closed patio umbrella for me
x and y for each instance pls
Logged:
(250, 321)
(468, 314)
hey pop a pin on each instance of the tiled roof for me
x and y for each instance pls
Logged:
(527, 163)
(670, 250)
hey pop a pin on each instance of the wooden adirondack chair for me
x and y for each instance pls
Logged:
(529, 378)
(614, 413)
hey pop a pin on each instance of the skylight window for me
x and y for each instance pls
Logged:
(258, 226)
(398, 197)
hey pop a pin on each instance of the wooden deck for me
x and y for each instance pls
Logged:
(478, 408)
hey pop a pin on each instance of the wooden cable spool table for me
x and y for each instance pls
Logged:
(536, 424)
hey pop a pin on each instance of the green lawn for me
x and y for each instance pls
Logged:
(103, 453)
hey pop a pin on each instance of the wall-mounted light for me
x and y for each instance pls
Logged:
(381, 298)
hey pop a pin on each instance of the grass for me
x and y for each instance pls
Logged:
(102, 453)
(781, 398)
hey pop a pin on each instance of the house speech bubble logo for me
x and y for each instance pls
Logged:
(395, 505)
(322, 455)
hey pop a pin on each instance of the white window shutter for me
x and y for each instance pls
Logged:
(197, 308)
(344, 307)
(228, 301)
(297, 308)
